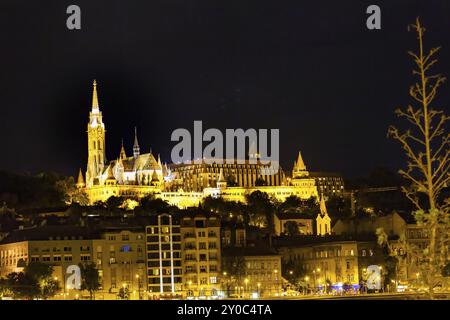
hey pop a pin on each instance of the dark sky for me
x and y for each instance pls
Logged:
(309, 68)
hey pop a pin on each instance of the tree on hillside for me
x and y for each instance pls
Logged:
(291, 228)
(90, 279)
(114, 202)
(426, 145)
(261, 209)
(235, 270)
(150, 204)
(292, 203)
(43, 275)
(228, 210)
(22, 286)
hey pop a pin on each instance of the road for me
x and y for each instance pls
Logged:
(373, 296)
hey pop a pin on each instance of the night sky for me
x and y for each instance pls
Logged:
(310, 68)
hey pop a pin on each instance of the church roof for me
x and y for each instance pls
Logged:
(144, 161)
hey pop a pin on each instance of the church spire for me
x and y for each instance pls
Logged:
(136, 150)
(300, 164)
(323, 208)
(221, 178)
(123, 154)
(94, 97)
(221, 182)
(80, 180)
(159, 161)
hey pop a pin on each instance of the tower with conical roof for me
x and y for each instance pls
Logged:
(299, 170)
(96, 140)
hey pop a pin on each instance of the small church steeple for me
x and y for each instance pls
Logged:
(221, 182)
(123, 154)
(323, 220)
(80, 180)
(136, 150)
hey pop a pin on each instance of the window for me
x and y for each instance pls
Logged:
(363, 252)
(67, 258)
(125, 248)
(212, 245)
(213, 280)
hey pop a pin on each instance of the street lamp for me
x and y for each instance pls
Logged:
(139, 286)
(277, 281)
(307, 285)
(246, 286)
(189, 287)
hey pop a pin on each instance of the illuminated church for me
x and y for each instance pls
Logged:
(183, 185)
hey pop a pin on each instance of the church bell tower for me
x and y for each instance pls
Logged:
(96, 141)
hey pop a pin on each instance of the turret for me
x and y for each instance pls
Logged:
(221, 182)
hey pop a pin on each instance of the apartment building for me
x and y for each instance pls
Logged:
(119, 255)
(164, 260)
(201, 254)
(332, 263)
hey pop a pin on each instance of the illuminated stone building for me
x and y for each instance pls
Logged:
(136, 175)
(332, 262)
(201, 254)
(328, 183)
(183, 255)
(119, 255)
(58, 246)
(303, 222)
(198, 176)
(261, 272)
(164, 260)
(183, 185)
